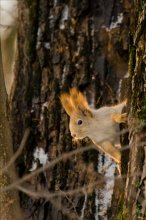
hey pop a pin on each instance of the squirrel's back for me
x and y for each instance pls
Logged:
(104, 128)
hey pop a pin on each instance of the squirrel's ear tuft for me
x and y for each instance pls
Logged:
(80, 103)
(66, 102)
(125, 101)
(75, 101)
(86, 112)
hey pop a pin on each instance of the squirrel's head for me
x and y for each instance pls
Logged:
(76, 106)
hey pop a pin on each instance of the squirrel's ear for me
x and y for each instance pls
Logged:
(85, 112)
(66, 102)
(80, 103)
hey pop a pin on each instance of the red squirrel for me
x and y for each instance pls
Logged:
(100, 125)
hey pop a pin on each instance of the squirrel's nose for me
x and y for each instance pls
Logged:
(73, 135)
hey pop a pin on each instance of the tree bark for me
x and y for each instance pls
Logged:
(9, 200)
(131, 198)
(61, 45)
(135, 196)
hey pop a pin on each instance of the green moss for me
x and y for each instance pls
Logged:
(137, 184)
(132, 53)
(122, 212)
(142, 4)
(29, 2)
(120, 208)
(126, 214)
(142, 113)
(138, 210)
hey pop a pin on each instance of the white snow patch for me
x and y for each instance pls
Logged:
(62, 26)
(51, 21)
(114, 24)
(119, 89)
(96, 205)
(39, 40)
(47, 45)
(45, 105)
(120, 84)
(65, 14)
(117, 22)
(77, 65)
(39, 154)
(104, 196)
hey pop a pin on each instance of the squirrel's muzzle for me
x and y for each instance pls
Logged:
(73, 135)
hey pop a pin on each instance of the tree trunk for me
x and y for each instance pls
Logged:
(61, 45)
(135, 192)
(9, 200)
(131, 198)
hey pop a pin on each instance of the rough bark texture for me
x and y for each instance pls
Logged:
(135, 193)
(131, 198)
(63, 44)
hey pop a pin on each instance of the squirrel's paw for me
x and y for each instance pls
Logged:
(119, 118)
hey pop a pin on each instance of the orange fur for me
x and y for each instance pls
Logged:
(75, 101)
(119, 118)
(100, 125)
(78, 99)
(67, 104)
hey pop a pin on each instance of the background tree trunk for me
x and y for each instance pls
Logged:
(9, 200)
(132, 197)
(61, 45)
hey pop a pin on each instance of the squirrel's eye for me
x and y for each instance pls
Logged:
(80, 122)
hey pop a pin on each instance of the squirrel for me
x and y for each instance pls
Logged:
(100, 125)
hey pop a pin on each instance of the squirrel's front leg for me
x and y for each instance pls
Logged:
(119, 118)
(112, 151)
